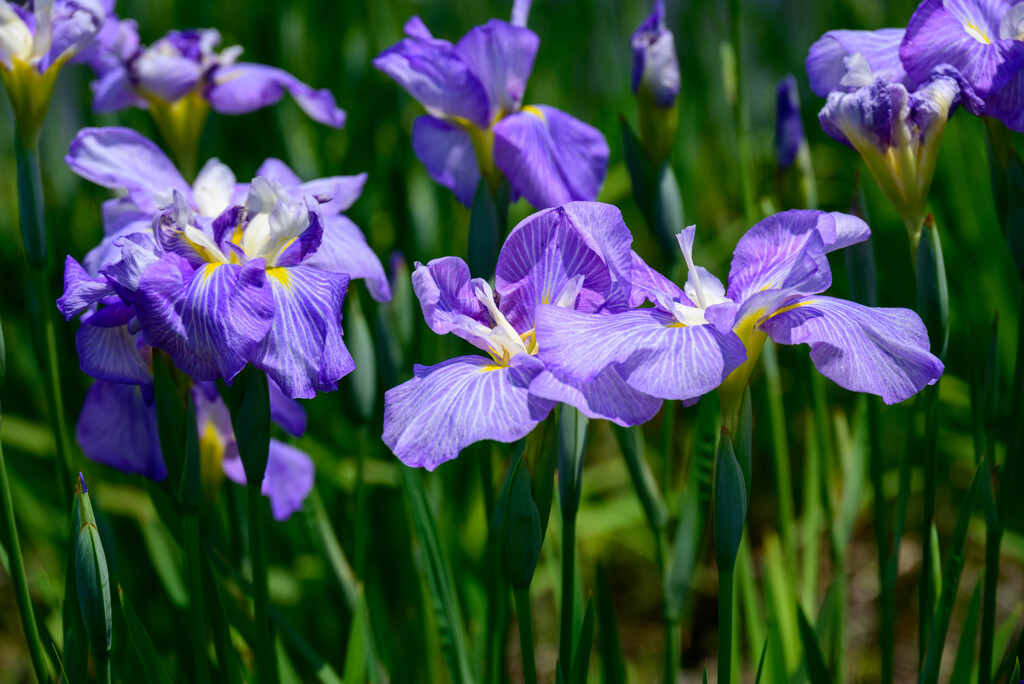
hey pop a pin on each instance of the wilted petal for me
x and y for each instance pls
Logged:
(303, 351)
(651, 351)
(209, 320)
(108, 351)
(446, 149)
(118, 429)
(445, 408)
(831, 64)
(864, 349)
(607, 396)
(343, 249)
(549, 157)
(244, 88)
(501, 55)
(117, 157)
(550, 248)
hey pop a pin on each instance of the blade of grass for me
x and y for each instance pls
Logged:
(143, 645)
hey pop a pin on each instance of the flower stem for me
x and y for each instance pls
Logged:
(876, 468)
(40, 300)
(568, 591)
(525, 616)
(266, 669)
(672, 627)
(725, 595)
(780, 448)
(196, 612)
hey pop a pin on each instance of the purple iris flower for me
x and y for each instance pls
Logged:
(44, 34)
(789, 127)
(477, 126)
(894, 119)
(655, 65)
(983, 40)
(186, 64)
(576, 258)
(778, 271)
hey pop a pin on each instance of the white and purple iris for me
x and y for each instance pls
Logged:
(895, 120)
(575, 258)
(778, 271)
(186, 65)
(477, 126)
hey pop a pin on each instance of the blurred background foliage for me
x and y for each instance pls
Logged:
(583, 67)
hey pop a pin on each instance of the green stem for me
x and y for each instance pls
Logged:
(993, 539)
(876, 467)
(667, 435)
(40, 305)
(839, 584)
(522, 598)
(266, 669)
(672, 626)
(497, 593)
(725, 611)
(568, 591)
(17, 567)
(926, 595)
(103, 669)
(196, 611)
(780, 448)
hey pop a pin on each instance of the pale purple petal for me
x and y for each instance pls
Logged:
(303, 351)
(651, 351)
(276, 170)
(209, 320)
(108, 351)
(447, 299)
(137, 252)
(649, 285)
(549, 157)
(864, 349)
(168, 77)
(114, 91)
(501, 55)
(342, 191)
(607, 396)
(285, 411)
(1007, 104)
(446, 149)
(80, 289)
(117, 157)
(445, 408)
(117, 428)
(830, 60)
(550, 248)
(75, 25)
(343, 249)
(243, 88)
(287, 481)
(306, 244)
(655, 64)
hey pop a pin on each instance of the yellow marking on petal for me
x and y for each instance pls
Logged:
(675, 324)
(280, 274)
(530, 109)
(211, 457)
(208, 271)
(787, 308)
(491, 367)
(975, 32)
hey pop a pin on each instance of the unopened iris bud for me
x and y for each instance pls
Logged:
(93, 581)
(797, 185)
(36, 40)
(656, 83)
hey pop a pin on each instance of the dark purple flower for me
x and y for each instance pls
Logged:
(655, 65)
(789, 127)
(477, 126)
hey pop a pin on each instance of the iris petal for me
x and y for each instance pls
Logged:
(243, 88)
(118, 429)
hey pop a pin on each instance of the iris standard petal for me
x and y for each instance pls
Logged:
(549, 157)
(965, 35)
(607, 396)
(446, 149)
(650, 350)
(501, 55)
(303, 351)
(343, 249)
(167, 77)
(243, 88)
(445, 408)
(118, 429)
(108, 351)
(864, 349)
(117, 157)
(550, 248)
(448, 301)
(114, 91)
(438, 77)
(211, 319)
(75, 25)
(831, 64)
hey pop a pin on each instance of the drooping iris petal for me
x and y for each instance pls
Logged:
(874, 350)
(550, 248)
(80, 289)
(445, 408)
(607, 396)
(303, 351)
(832, 65)
(501, 55)
(438, 77)
(1007, 104)
(285, 411)
(209, 320)
(787, 251)
(343, 249)
(108, 351)
(549, 157)
(448, 301)
(287, 481)
(965, 35)
(446, 149)
(243, 88)
(118, 429)
(117, 157)
(138, 251)
(649, 285)
(651, 351)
